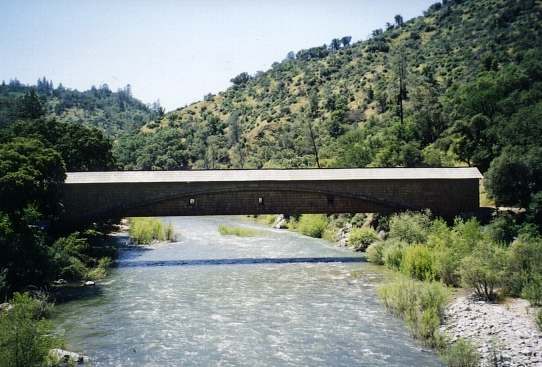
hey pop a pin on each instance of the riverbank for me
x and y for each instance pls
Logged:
(502, 334)
(505, 334)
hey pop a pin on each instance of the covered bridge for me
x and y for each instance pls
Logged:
(98, 195)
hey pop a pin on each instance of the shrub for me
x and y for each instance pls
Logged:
(484, 269)
(420, 304)
(146, 230)
(532, 291)
(312, 225)
(25, 336)
(502, 229)
(410, 227)
(237, 231)
(539, 319)
(101, 270)
(69, 256)
(361, 238)
(461, 354)
(375, 253)
(524, 264)
(417, 263)
(393, 254)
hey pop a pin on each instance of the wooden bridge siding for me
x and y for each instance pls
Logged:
(446, 197)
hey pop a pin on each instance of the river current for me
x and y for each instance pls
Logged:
(278, 299)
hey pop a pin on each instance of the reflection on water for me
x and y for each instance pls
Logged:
(277, 300)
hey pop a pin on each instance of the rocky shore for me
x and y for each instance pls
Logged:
(505, 334)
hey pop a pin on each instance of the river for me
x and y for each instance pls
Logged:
(213, 300)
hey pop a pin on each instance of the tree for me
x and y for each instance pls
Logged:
(290, 55)
(82, 148)
(240, 79)
(346, 41)
(515, 177)
(402, 93)
(30, 106)
(31, 176)
(312, 138)
(398, 20)
(335, 44)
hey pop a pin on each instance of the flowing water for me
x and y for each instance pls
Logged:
(278, 299)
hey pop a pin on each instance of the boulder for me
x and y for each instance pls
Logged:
(5, 307)
(68, 358)
(280, 222)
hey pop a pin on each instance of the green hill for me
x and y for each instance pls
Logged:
(349, 94)
(112, 112)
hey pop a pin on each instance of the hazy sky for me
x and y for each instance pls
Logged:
(175, 51)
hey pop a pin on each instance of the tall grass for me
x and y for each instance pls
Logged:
(420, 304)
(237, 231)
(143, 231)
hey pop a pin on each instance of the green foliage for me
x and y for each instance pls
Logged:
(524, 266)
(25, 336)
(410, 227)
(484, 270)
(30, 175)
(101, 270)
(82, 148)
(144, 231)
(515, 176)
(312, 225)
(375, 253)
(418, 263)
(111, 112)
(393, 253)
(420, 304)
(532, 291)
(361, 238)
(461, 354)
(237, 231)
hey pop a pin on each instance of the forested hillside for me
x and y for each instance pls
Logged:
(112, 112)
(456, 86)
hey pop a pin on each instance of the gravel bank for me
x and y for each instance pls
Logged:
(506, 334)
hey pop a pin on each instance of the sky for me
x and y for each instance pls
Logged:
(174, 51)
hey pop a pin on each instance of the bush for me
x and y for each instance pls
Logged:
(502, 229)
(360, 238)
(539, 319)
(101, 270)
(420, 304)
(417, 263)
(484, 270)
(410, 227)
(532, 291)
(393, 254)
(375, 253)
(145, 230)
(461, 354)
(312, 225)
(69, 255)
(25, 336)
(524, 264)
(237, 231)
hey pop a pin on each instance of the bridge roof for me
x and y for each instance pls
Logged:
(274, 175)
